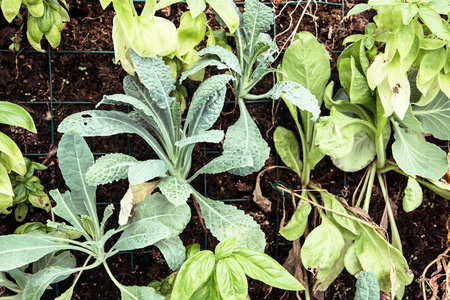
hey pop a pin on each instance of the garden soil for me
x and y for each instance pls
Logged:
(79, 79)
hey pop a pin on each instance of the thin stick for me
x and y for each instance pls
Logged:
(197, 209)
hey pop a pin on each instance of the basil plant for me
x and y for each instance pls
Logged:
(46, 248)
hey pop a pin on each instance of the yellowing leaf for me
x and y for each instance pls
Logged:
(135, 193)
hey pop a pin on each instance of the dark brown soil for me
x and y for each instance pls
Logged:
(69, 82)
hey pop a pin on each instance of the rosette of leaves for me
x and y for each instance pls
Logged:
(406, 37)
(11, 159)
(156, 117)
(45, 18)
(255, 53)
(160, 224)
(28, 191)
(223, 274)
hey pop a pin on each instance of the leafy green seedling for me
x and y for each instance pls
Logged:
(78, 208)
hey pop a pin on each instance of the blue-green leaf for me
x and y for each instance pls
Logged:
(39, 282)
(176, 189)
(435, 116)
(139, 293)
(257, 18)
(210, 136)
(146, 170)
(367, 287)
(109, 168)
(142, 234)
(173, 251)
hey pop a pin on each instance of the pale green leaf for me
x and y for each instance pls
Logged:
(10, 9)
(193, 274)
(296, 226)
(298, 95)
(105, 3)
(109, 168)
(226, 221)
(15, 115)
(435, 116)
(225, 248)
(121, 46)
(66, 208)
(322, 247)
(191, 31)
(367, 287)
(331, 202)
(139, 293)
(409, 11)
(146, 170)
(142, 234)
(210, 136)
(433, 20)
(306, 61)
(207, 103)
(124, 13)
(231, 280)
(262, 267)
(176, 189)
(413, 195)
(351, 261)
(208, 290)
(5, 282)
(417, 157)
(22, 249)
(61, 259)
(360, 156)
(224, 163)
(358, 8)
(10, 148)
(5, 186)
(226, 12)
(196, 7)
(244, 138)
(39, 282)
(431, 64)
(288, 148)
(173, 251)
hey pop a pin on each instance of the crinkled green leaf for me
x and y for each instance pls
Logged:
(224, 163)
(193, 274)
(173, 251)
(297, 224)
(257, 18)
(417, 157)
(146, 170)
(226, 221)
(176, 189)
(322, 247)
(262, 267)
(142, 234)
(413, 195)
(367, 287)
(223, 55)
(244, 138)
(210, 136)
(207, 103)
(298, 95)
(435, 116)
(109, 168)
(231, 280)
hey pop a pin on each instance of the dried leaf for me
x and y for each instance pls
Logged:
(135, 193)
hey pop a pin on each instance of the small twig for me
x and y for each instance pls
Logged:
(197, 209)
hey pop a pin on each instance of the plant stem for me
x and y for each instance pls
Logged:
(396, 241)
(372, 173)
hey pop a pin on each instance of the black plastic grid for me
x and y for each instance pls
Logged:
(52, 103)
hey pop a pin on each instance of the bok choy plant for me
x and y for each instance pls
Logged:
(157, 119)
(78, 208)
(346, 237)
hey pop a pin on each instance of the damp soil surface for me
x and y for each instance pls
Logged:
(74, 77)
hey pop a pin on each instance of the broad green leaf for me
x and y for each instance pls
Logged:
(127, 19)
(409, 11)
(226, 12)
(413, 195)
(20, 276)
(142, 234)
(331, 202)
(6, 201)
(306, 61)
(5, 185)
(146, 170)
(89, 225)
(66, 208)
(377, 71)
(335, 135)
(323, 247)
(262, 267)
(157, 208)
(109, 168)
(60, 259)
(231, 280)
(287, 147)
(121, 46)
(431, 64)
(224, 163)
(226, 221)
(105, 3)
(359, 8)
(225, 248)
(10, 9)
(209, 290)
(39, 282)
(435, 116)
(351, 261)
(296, 226)
(431, 44)
(207, 103)
(15, 115)
(354, 83)
(193, 274)
(160, 31)
(149, 8)
(244, 138)
(196, 7)
(410, 121)
(367, 287)
(176, 189)
(360, 156)
(257, 18)
(417, 157)
(191, 31)
(298, 95)
(139, 293)
(433, 20)
(173, 251)
(106, 123)
(210, 136)
(376, 255)
(10, 148)
(19, 250)
(75, 159)
(444, 82)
